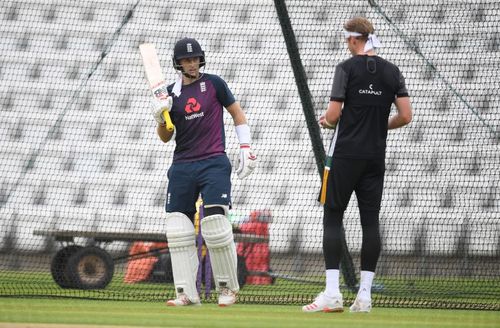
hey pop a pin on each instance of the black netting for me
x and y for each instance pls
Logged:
(79, 150)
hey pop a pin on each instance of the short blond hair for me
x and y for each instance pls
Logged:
(360, 25)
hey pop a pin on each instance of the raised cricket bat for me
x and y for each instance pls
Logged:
(155, 77)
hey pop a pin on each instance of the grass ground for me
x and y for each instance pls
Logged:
(50, 312)
(423, 293)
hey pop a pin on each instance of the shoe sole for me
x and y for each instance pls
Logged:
(225, 305)
(360, 310)
(326, 310)
(360, 307)
(175, 305)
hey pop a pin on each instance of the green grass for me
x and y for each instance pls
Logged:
(156, 314)
(457, 293)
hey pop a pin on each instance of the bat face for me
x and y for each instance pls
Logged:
(154, 73)
(155, 77)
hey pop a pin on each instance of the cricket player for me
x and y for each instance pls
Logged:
(364, 88)
(201, 167)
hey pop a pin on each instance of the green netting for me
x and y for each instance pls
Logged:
(79, 150)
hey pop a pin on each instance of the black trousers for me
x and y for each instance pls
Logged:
(365, 177)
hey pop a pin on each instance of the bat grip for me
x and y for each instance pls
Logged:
(168, 121)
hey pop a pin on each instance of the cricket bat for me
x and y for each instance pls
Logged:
(155, 77)
(326, 173)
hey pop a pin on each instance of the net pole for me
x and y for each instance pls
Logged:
(347, 265)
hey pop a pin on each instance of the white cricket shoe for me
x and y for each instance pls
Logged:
(361, 305)
(326, 304)
(227, 297)
(183, 300)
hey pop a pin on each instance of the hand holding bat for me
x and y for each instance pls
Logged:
(159, 107)
(157, 84)
(324, 123)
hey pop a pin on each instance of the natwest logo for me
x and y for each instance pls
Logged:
(192, 105)
(370, 91)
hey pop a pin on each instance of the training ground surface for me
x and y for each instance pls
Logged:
(37, 313)
(52, 325)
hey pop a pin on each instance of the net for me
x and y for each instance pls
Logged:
(83, 174)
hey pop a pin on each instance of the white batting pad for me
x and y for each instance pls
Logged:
(218, 235)
(182, 245)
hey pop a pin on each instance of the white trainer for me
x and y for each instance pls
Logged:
(227, 297)
(325, 303)
(183, 300)
(361, 305)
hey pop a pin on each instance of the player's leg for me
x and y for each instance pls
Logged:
(215, 180)
(218, 235)
(369, 193)
(184, 257)
(181, 197)
(340, 185)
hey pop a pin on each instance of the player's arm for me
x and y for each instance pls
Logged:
(337, 95)
(403, 106)
(237, 114)
(330, 118)
(404, 113)
(247, 160)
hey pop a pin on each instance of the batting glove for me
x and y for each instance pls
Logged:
(159, 106)
(247, 161)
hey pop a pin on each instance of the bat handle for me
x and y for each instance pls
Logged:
(326, 172)
(168, 121)
(322, 197)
